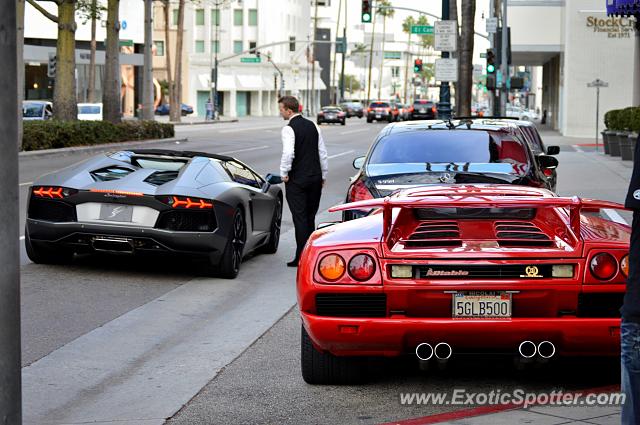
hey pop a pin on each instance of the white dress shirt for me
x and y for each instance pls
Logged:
(288, 151)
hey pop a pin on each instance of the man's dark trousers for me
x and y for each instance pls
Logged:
(303, 197)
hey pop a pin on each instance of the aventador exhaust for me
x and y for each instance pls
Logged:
(112, 244)
(442, 351)
(527, 349)
(546, 349)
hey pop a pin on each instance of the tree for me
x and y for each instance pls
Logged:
(406, 27)
(465, 79)
(351, 83)
(385, 13)
(111, 92)
(175, 95)
(167, 48)
(92, 11)
(64, 92)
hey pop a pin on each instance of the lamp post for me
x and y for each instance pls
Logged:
(213, 91)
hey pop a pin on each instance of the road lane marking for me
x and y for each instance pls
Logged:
(244, 150)
(614, 216)
(341, 154)
(577, 148)
(234, 130)
(354, 131)
(25, 184)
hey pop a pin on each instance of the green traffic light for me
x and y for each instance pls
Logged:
(366, 17)
(490, 69)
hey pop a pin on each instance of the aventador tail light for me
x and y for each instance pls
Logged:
(362, 267)
(331, 267)
(562, 270)
(117, 192)
(624, 265)
(52, 192)
(604, 266)
(189, 203)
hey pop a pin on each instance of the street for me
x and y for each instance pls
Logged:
(116, 339)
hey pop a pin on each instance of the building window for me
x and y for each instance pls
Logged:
(292, 44)
(253, 17)
(237, 17)
(237, 46)
(215, 17)
(252, 46)
(199, 16)
(175, 17)
(215, 46)
(395, 71)
(392, 55)
(199, 46)
(159, 45)
(324, 2)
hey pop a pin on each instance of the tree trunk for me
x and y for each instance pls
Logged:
(373, 36)
(147, 86)
(176, 99)
(64, 92)
(20, 54)
(167, 49)
(466, 58)
(111, 87)
(384, 35)
(92, 59)
(406, 68)
(453, 16)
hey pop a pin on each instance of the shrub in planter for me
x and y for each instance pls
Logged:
(627, 146)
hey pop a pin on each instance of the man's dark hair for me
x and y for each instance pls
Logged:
(290, 103)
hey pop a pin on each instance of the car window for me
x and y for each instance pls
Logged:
(241, 175)
(422, 102)
(445, 146)
(32, 110)
(538, 145)
(331, 110)
(379, 105)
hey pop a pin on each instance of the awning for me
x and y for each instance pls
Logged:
(301, 83)
(250, 82)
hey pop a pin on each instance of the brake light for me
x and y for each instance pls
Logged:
(433, 109)
(604, 266)
(624, 265)
(321, 113)
(117, 192)
(189, 203)
(48, 192)
(548, 172)
(387, 110)
(341, 114)
(359, 192)
(411, 109)
(362, 267)
(331, 267)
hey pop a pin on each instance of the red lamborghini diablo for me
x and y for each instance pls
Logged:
(445, 270)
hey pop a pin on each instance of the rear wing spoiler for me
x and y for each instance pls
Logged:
(574, 204)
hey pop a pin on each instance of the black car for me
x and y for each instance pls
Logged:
(331, 114)
(165, 108)
(447, 152)
(423, 109)
(353, 109)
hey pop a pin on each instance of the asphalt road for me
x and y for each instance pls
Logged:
(114, 339)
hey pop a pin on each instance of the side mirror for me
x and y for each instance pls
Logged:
(327, 224)
(358, 162)
(553, 150)
(547, 162)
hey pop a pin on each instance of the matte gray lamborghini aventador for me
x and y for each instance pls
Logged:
(154, 201)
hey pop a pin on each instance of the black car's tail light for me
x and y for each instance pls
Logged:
(52, 192)
(186, 202)
(603, 266)
(362, 267)
(359, 192)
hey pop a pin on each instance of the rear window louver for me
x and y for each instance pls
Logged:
(434, 234)
(161, 177)
(520, 234)
(110, 173)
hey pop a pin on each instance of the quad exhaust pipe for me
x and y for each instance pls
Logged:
(425, 351)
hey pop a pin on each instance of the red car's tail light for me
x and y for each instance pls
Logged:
(331, 267)
(362, 267)
(624, 265)
(359, 192)
(433, 109)
(52, 192)
(548, 172)
(183, 202)
(604, 266)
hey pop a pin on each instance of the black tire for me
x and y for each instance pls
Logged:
(40, 254)
(319, 122)
(390, 119)
(369, 120)
(344, 122)
(231, 260)
(326, 369)
(274, 235)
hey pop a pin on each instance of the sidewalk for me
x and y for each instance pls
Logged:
(193, 119)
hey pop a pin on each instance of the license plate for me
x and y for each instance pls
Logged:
(481, 305)
(378, 116)
(331, 117)
(116, 212)
(423, 110)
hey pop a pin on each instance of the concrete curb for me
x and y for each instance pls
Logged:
(98, 148)
(201, 122)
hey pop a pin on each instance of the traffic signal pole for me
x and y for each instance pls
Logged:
(504, 66)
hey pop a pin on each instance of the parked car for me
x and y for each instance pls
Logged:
(434, 152)
(165, 108)
(192, 205)
(520, 113)
(353, 109)
(423, 109)
(445, 270)
(331, 114)
(90, 111)
(37, 110)
(381, 110)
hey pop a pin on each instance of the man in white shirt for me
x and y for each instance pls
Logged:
(303, 168)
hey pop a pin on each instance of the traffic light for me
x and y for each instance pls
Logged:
(417, 65)
(366, 11)
(491, 62)
(51, 66)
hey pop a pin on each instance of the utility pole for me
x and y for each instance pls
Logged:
(344, 53)
(307, 110)
(504, 66)
(147, 82)
(313, 56)
(10, 373)
(492, 44)
(444, 106)
(335, 54)
(373, 36)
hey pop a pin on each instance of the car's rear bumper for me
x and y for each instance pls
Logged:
(397, 335)
(381, 116)
(415, 116)
(332, 120)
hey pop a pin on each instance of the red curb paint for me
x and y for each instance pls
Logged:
(485, 410)
(588, 144)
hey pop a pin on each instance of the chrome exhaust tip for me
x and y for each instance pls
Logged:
(424, 351)
(442, 351)
(546, 349)
(527, 349)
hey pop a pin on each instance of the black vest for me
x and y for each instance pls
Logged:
(633, 195)
(306, 160)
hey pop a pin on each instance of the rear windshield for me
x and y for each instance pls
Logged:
(379, 105)
(423, 102)
(331, 110)
(448, 146)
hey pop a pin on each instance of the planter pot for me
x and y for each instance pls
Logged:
(614, 142)
(628, 146)
(605, 140)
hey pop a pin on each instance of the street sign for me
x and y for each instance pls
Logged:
(251, 60)
(598, 83)
(125, 43)
(446, 36)
(483, 55)
(446, 69)
(492, 25)
(477, 70)
(421, 29)
(341, 45)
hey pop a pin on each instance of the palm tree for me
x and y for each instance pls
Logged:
(465, 79)
(175, 100)
(406, 27)
(385, 13)
(359, 49)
